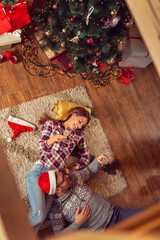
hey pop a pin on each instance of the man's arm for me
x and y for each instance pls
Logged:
(85, 174)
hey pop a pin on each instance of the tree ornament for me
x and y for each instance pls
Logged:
(84, 74)
(75, 58)
(101, 39)
(55, 6)
(48, 33)
(70, 65)
(75, 39)
(130, 23)
(63, 44)
(98, 54)
(64, 30)
(73, 19)
(36, 29)
(110, 60)
(91, 9)
(122, 42)
(98, 63)
(126, 20)
(102, 20)
(111, 22)
(112, 13)
(89, 40)
(49, 19)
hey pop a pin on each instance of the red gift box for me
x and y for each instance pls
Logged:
(64, 62)
(127, 75)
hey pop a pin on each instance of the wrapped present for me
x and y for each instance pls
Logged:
(49, 53)
(10, 38)
(127, 75)
(64, 62)
(135, 53)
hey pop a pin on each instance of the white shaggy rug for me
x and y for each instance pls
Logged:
(22, 152)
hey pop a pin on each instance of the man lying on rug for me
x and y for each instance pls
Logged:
(76, 203)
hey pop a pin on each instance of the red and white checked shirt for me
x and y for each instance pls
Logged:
(54, 156)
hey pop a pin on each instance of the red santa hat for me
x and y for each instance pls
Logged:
(47, 182)
(19, 126)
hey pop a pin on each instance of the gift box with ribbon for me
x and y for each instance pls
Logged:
(10, 38)
(64, 62)
(49, 53)
(135, 53)
(127, 75)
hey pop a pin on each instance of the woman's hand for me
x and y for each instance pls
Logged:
(102, 159)
(56, 138)
(82, 216)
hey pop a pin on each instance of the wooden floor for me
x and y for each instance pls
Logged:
(129, 114)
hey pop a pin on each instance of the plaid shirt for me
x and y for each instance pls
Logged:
(55, 155)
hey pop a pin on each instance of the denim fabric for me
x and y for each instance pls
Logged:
(121, 214)
(40, 202)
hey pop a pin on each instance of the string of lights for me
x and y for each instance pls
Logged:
(34, 66)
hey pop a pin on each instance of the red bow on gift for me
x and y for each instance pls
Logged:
(127, 75)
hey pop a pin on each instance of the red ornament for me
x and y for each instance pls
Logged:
(49, 19)
(101, 39)
(72, 19)
(98, 63)
(127, 19)
(7, 55)
(36, 29)
(13, 59)
(70, 65)
(102, 20)
(89, 40)
(84, 74)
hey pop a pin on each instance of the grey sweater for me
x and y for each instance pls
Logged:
(64, 208)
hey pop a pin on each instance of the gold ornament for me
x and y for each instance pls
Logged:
(55, 6)
(122, 42)
(63, 44)
(64, 30)
(75, 58)
(112, 13)
(48, 33)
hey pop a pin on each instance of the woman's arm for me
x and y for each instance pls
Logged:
(49, 135)
(84, 154)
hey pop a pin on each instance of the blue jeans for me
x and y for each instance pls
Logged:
(40, 202)
(120, 214)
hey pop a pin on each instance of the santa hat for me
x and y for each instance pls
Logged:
(47, 182)
(19, 126)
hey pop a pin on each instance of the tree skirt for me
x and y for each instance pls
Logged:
(22, 151)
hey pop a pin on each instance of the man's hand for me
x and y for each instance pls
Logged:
(102, 159)
(82, 216)
(69, 170)
(56, 138)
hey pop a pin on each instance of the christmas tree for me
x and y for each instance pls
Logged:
(89, 30)
(8, 2)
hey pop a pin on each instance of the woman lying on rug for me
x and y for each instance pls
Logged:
(55, 147)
